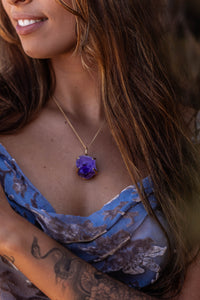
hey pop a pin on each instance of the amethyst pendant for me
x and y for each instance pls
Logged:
(86, 166)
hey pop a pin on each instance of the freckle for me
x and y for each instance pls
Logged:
(52, 140)
(44, 167)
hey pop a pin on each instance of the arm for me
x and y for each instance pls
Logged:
(52, 268)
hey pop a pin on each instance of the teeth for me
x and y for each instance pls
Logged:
(27, 22)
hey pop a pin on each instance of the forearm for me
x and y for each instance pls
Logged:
(57, 272)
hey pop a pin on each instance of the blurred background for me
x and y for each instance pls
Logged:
(181, 53)
(182, 48)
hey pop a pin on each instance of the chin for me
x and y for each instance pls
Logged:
(36, 54)
(46, 52)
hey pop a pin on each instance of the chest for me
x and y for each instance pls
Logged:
(50, 165)
(46, 151)
(57, 179)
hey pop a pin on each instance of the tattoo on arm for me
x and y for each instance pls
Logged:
(62, 266)
(86, 282)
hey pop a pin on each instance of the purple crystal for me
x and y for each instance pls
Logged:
(86, 166)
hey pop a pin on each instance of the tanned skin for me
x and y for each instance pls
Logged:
(56, 271)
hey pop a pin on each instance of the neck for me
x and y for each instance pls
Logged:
(77, 89)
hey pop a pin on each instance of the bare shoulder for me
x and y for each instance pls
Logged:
(27, 138)
(15, 143)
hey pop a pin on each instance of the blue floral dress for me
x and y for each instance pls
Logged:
(120, 239)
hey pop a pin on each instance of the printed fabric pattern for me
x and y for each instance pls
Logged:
(120, 239)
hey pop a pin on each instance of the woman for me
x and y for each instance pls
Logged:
(82, 79)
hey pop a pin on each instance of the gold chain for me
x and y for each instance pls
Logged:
(74, 130)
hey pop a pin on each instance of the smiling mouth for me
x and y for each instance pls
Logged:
(27, 22)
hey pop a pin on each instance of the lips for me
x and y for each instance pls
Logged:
(26, 24)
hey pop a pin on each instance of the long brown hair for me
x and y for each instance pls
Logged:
(120, 37)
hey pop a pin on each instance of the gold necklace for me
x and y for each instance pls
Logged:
(85, 164)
